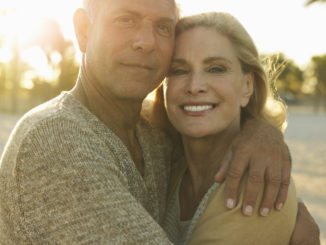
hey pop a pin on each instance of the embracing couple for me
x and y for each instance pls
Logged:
(206, 165)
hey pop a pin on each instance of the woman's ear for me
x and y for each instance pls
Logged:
(248, 89)
(81, 24)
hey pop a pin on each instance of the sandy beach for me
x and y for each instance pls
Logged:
(306, 137)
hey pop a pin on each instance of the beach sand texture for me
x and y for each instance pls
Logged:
(306, 137)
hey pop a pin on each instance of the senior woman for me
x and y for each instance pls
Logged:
(215, 82)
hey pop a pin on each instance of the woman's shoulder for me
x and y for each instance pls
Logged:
(219, 224)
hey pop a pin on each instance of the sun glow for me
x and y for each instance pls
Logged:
(20, 25)
(276, 26)
(36, 58)
(291, 32)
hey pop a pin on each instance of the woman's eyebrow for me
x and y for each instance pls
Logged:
(178, 61)
(207, 60)
(216, 58)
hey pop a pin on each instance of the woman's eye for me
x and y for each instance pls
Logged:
(216, 69)
(177, 72)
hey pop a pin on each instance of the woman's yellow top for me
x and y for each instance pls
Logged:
(218, 225)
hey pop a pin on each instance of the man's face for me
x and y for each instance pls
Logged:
(130, 45)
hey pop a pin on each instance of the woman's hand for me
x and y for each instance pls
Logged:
(261, 149)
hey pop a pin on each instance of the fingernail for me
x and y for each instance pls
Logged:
(280, 206)
(248, 210)
(264, 211)
(230, 203)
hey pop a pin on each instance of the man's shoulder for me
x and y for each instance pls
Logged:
(153, 131)
(60, 107)
(55, 111)
(58, 117)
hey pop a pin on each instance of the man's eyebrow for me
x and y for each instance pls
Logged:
(126, 11)
(135, 13)
(216, 58)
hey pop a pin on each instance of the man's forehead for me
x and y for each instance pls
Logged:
(157, 8)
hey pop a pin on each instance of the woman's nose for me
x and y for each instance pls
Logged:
(196, 85)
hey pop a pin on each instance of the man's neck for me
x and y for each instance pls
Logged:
(119, 115)
(115, 112)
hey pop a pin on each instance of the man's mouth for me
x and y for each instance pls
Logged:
(138, 66)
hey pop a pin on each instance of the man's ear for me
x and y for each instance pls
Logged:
(82, 25)
(248, 89)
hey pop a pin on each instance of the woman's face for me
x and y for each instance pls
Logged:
(206, 86)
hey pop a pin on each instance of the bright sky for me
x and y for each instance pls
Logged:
(275, 25)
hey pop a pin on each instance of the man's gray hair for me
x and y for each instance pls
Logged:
(92, 6)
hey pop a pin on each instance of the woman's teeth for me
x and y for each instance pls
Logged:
(197, 108)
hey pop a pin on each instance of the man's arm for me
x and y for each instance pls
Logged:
(229, 227)
(306, 230)
(73, 193)
(260, 148)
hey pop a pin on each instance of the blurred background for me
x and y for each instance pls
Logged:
(39, 58)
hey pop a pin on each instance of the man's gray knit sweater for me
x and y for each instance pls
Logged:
(65, 178)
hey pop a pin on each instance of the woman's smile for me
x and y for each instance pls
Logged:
(198, 109)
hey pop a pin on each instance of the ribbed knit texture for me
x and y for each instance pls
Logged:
(179, 231)
(65, 178)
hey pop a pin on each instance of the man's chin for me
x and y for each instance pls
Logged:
(132, 96)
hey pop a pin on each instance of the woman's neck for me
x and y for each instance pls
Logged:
(204, 157)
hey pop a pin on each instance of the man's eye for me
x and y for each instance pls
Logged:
(216, 69)
(164, 29)
(177, 72)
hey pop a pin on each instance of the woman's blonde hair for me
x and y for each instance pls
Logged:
(248, 56)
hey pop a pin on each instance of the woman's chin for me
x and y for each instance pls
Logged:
(195, 133)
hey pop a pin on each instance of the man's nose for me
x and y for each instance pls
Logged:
(196, 85)
(145, 38)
